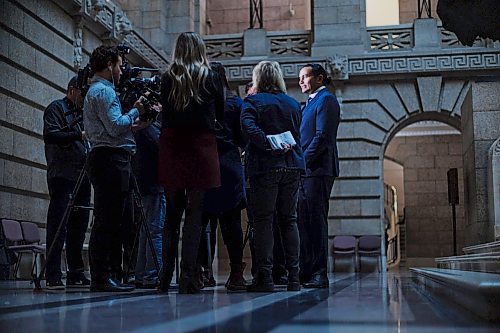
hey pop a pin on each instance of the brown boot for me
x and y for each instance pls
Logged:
(236, 280)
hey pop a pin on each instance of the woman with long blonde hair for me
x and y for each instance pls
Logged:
(274, 174)
(192, 96)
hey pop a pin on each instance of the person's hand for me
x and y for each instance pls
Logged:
(139, 105)
(158, 107)
(285, 149)
(84, 136)
(139, 124)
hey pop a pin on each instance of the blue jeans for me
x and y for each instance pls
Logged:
(154, 208)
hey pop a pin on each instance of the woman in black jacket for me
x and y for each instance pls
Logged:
(193, 100)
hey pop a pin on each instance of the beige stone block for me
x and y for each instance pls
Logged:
(377, 114)
(420, 187)
(356, 187)
(421, 139)
(17, 176)
(425, 149)
(3, 106)
(344, 207)
(404, 151)
(410, 175)
(441, 186)
(29, 148)
(151, 19)
(485, 96)
(486, 125)
(359, 227)
(420, 161)
(39, 181)
(448, 161)
(358, 149)
(348, 14)
(428, 174)
(4, 45)
(12, 16)
(9, 73)
(388, 97)
(5, 199)
(455, 149)
(6, 140)
(24, 116)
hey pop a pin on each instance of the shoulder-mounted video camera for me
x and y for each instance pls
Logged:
(131, 86)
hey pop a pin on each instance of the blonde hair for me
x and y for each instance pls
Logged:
(188, 71)
(268, 77)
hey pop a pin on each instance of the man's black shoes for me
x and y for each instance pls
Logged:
(317, 281)
(110, 285)
(261, 286)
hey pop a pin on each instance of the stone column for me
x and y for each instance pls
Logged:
(427, 34)
(480, 119)
(494, 186)
(339, 25)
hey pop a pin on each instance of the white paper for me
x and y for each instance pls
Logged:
(276, 140)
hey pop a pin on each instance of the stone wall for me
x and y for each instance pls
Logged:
(228, 16)
(37, 62)
(481, 119)
(408, 10)
(426, 160)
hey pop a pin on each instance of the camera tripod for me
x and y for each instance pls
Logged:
(70, 207)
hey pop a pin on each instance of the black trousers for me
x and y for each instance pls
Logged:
(177, 201)
(275, 192)
(232, 235)
(313, 225)
(111, 175)
(73, 232)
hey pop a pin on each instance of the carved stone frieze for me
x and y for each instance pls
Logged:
(122, 26)
(424, 63)
(337, 67)
(78, 47)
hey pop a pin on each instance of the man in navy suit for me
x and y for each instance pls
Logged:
(318, 138)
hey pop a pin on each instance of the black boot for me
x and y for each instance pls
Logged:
(188, 283)
(236, 280)
(293, 282)
(169, 254)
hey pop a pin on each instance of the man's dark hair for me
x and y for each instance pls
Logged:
(318, 70)
(101, 55)
(218, 68)
(72, 83)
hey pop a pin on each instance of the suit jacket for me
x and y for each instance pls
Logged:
(318, 134)
(270, 113)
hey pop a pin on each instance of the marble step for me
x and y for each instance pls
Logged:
(488, 262)
(483, 248)
(477, 291)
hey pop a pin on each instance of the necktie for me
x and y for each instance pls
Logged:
(308, 100)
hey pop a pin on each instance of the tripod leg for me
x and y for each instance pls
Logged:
(64, 221)
(144, 224)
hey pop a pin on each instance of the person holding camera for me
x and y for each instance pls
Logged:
(65, 153)
(112, 146)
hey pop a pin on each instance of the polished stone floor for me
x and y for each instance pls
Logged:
(353, 303)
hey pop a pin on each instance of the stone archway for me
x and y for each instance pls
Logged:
(427, 150)
(372, 113)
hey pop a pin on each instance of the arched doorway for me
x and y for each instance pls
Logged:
(425, 150)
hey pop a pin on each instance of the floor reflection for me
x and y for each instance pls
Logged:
(353, 303)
